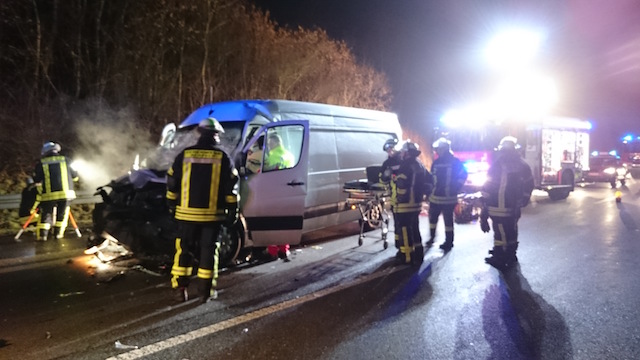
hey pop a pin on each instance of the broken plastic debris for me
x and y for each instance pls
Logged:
(144, 270)
(72, 293)
(118, 276)
(108, 250)
(245, 330)
(316, 247)
(48, 335)
(120, 345)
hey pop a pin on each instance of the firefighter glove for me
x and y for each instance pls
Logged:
(484, 225)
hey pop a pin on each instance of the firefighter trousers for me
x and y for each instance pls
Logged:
(447, 214)
(505, 236)
(48, 220)
(196, 242)
(407, 234)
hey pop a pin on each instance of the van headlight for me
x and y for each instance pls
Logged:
(609, 171)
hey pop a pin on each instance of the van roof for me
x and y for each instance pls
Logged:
(272, 110)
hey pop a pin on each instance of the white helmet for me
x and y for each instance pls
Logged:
(442, 145)
(411, 148)
(50, 147)
(210, 124)
(508, 143)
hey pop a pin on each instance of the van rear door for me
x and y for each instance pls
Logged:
(273, 199)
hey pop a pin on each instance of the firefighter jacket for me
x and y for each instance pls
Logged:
(509, 185)
(410, 183)
(389, 167)
(279, 158)
(202, 183)
(449, 175)
(56, 178)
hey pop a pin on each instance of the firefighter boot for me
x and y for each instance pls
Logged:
(448, 241)
(498, 259)
(430, 242)
(206, 291)
(417, 257)
(447, 245)
(511, 258)
(180, 294)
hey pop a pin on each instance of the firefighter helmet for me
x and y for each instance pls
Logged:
(508, 143)
(442, 146)
(210, 125)
(390, 144)
(50, 148)
(410, 148)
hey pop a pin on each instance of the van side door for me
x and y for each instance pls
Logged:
(273, 198)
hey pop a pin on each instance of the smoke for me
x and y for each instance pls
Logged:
(108, 142)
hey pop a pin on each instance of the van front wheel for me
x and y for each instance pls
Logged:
(230, 239)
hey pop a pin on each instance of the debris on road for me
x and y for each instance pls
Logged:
(122, 346)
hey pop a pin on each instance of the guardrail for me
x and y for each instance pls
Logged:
(12, 201)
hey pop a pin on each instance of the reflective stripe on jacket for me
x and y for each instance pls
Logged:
(56, 178)
(408, 186)
(449, 175)
(202, 183)
(509, 183)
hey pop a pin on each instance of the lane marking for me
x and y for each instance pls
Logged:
(254, 315)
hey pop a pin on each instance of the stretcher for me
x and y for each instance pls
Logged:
(369, 198)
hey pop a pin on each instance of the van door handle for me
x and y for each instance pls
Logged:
(295, 183)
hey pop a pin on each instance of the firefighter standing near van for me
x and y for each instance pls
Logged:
(55, 177)
(389, 167)
(409, 184)
(202, 193)
(392, 163)
(449, 175)
(507, 189)
(278, 157)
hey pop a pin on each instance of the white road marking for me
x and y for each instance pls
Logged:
(226, 324)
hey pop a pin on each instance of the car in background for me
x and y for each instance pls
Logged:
(605, 167)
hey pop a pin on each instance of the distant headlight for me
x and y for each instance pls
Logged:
(609, 171)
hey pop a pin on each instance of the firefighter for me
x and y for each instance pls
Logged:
(29, 202)
(389, 167)
(202, 194)
(409, 184)
(449, 175)
(278, 158)
(55, 178)
(507, 189)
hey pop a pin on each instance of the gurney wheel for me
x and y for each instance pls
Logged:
(385, 245)
(360, 241)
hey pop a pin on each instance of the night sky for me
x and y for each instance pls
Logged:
(431, 51)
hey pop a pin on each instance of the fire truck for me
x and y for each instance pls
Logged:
(556, 148)
(630, 154)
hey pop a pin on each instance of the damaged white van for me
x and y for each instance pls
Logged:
(327, 146)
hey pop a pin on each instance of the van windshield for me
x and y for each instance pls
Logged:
(232, 135)
(162, 157)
